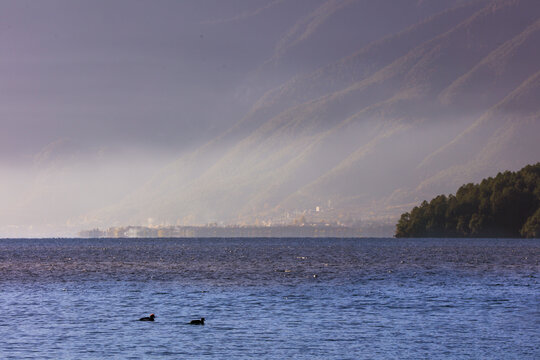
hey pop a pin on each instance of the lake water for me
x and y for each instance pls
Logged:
(270, 298)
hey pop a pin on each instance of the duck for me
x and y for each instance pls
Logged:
(148, 318)
(197, 322)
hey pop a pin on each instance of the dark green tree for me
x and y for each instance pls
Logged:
(507, 205)
(531, 229)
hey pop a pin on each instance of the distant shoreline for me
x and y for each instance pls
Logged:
(278, 231)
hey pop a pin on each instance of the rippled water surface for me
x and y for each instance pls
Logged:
(270, 298)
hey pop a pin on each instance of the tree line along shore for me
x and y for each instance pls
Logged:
(507, 205)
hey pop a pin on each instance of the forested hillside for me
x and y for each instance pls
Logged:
(507, 205)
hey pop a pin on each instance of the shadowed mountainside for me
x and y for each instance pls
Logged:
(367, 129)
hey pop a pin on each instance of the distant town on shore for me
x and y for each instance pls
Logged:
(308, 230)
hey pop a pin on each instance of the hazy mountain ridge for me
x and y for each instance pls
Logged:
(323, 139)
(356, 67)
(504, 66)
(337, 28)
(361, 153)
(505, 136)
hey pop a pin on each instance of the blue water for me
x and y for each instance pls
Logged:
(270, 298)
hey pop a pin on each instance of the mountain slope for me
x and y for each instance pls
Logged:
(356, 135)
(506, 137)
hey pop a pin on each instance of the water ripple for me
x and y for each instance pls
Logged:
(370, 298)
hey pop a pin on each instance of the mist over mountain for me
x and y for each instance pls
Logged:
(355, 108)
